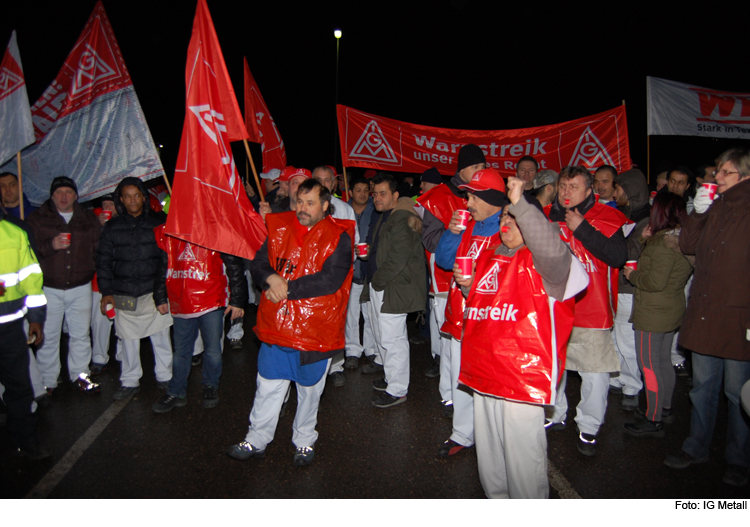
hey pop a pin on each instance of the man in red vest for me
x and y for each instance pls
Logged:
(305, 271)
(519, 314)
(596, 234)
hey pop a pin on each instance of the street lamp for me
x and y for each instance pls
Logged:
(337, 34)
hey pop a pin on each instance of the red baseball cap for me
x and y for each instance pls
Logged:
(289, 172)
(485, 179)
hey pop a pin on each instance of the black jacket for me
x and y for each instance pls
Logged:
(128, 261)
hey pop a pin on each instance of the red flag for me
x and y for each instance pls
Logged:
(16, 130)
(260, 125)
(209, 207)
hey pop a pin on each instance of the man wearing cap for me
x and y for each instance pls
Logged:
(289, 179)
(340, 210)
(604, 185)
(67, 236)
(596, 235)
(486, 199)
(397, 286)
(101, 326)
(436, 208)
(274, 191)
(305, 267)
(11, 196)
(545, 186)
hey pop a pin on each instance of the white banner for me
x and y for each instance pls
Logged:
(675, 108)
(88, 123)
(16, 130)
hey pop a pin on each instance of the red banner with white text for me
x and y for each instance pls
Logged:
(371, 141)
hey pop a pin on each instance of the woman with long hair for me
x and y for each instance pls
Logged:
(658, 308)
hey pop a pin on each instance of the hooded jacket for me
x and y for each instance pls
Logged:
(633, 182)
(129, 262)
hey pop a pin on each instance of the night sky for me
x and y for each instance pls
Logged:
(452, 64)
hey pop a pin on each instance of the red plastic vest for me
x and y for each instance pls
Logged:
(597, 304)
(454, 309)
(309, 324)
(441, 203)
(196, 280)
(515, 336)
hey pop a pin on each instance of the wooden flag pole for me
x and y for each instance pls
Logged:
(346, 186)
(20, 184)
(255, 172)
(166, 181)
(648, 159)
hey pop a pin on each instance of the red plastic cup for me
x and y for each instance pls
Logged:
(463, 219)
(362, 250)
(110, 311)
(107, 214)
(712, 188)
(567, 202)
(464, 265)
(632, 264)
(504, 228)
(66, 236)
(653, 194)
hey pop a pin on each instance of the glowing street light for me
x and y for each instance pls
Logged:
(337, 33)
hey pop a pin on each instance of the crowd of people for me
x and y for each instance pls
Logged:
(521, 279)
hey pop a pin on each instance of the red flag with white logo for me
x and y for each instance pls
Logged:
(16, 130)
(88, 123)
(260, 125)
(209, 206)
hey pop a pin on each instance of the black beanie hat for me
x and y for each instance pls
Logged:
(62, 181)
(470, 155)
(431, 175)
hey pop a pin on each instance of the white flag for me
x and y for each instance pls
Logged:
(16, 130)
(675, 108)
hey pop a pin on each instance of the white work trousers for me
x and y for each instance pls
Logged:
(623, 338)
(75, 306)
(353, 346)
(389, 331)
(511, 448)
(264, 417)
(440, 344)
(101, 326)
(129, 354)
(463, 402)
(593, 405)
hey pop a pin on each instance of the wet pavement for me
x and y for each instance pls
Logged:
(104, 449)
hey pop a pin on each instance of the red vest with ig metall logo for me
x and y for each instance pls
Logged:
(308, 324)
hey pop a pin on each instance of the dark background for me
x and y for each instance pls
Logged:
(447, 63)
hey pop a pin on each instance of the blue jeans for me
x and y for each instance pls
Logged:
(708, 373)
(185, 332)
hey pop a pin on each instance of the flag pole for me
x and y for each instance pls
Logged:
(166, 181)
(648, 158)
(346, 186)
(255, 172)
(20, 184)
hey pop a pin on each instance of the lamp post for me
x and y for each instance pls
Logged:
(337, 34)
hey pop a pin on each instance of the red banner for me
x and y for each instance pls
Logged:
(209, 207)
(371, 141)
(260, 125)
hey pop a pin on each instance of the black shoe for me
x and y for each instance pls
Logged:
(97, 369)
(736, 476)
(380, 385)
(210, 397)
(418, 340)
(337, 378)
(163, 385)
(586, 444)
(447, 409)
(644, 427)
(682, 460)
(244, 451)
(434, 369)
(198, 359)
(386, 400)
(33, 452)
(629, 402)
(166, 403)
(451, 448)
(124, 392)
(44, 401)
(615, 389)
(372, 367)
(83, 384)
(555, 427)
(681, 370)
(304, 455)
(351, 363)
(235, 344)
